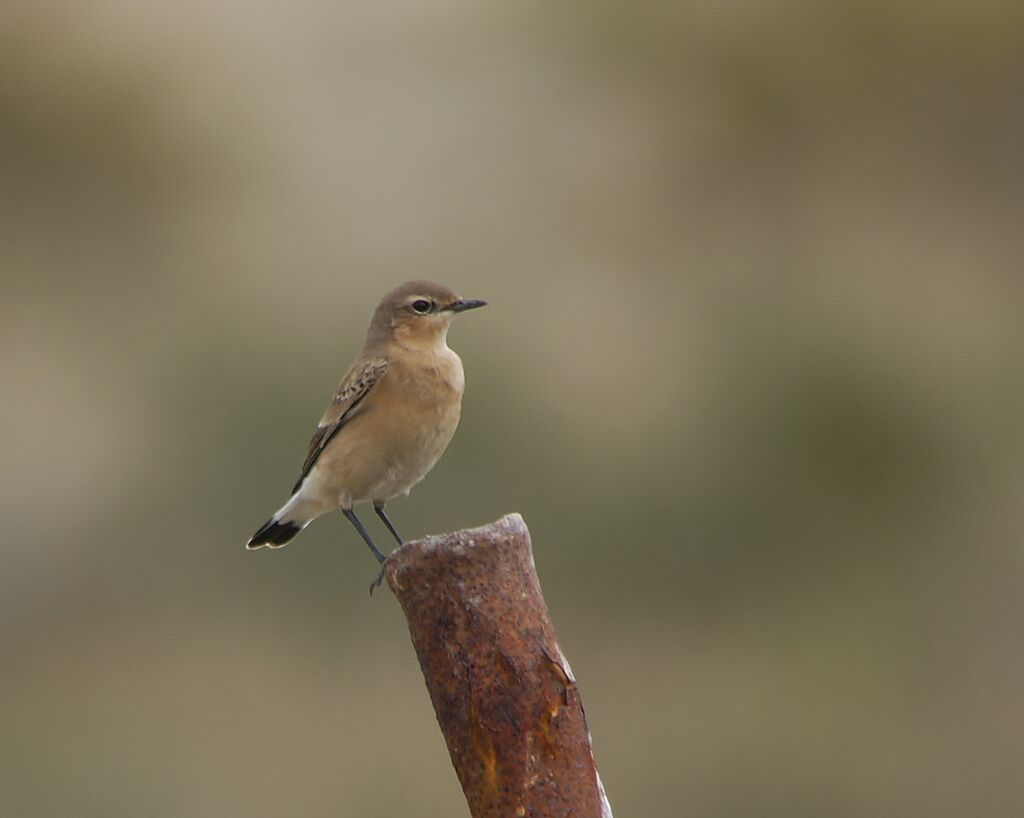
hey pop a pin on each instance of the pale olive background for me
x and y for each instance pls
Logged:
(751, 371)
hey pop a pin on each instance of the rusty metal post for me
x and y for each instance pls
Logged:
(504, 695)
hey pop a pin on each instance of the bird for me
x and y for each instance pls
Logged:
(394, 414)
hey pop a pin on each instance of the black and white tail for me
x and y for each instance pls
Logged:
(289, 520)
(273, 534)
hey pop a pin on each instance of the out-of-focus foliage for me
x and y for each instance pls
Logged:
(751, 371)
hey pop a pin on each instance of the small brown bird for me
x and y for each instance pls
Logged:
(394, 415)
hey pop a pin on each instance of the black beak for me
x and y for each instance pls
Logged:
(464, 304)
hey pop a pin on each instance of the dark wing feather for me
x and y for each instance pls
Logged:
(354, 387)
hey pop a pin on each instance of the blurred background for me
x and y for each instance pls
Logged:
(751, 372)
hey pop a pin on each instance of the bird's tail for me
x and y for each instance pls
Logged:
(296, 514)
(273, 534)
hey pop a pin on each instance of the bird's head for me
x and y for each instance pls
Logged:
(417, 312)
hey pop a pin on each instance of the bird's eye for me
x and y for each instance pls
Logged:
(421, 305)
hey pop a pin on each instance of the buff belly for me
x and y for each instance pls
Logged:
(378, 456)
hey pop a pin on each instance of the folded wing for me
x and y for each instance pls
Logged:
(353, 389)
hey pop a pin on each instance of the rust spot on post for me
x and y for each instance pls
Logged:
(507, 670)
(504, 696)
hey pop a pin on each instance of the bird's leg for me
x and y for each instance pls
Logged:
(379, 508)
(352, 518)
(366, 538)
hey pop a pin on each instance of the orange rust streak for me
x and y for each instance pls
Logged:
(561, 678)
(484, 747)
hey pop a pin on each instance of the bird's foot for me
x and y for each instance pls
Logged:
(376, 583)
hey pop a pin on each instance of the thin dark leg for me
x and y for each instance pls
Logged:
(352, 518)
(391, 527)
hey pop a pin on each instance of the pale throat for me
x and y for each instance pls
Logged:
(433, 342)
(430, 349)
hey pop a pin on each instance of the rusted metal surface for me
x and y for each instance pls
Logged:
(505, 697)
